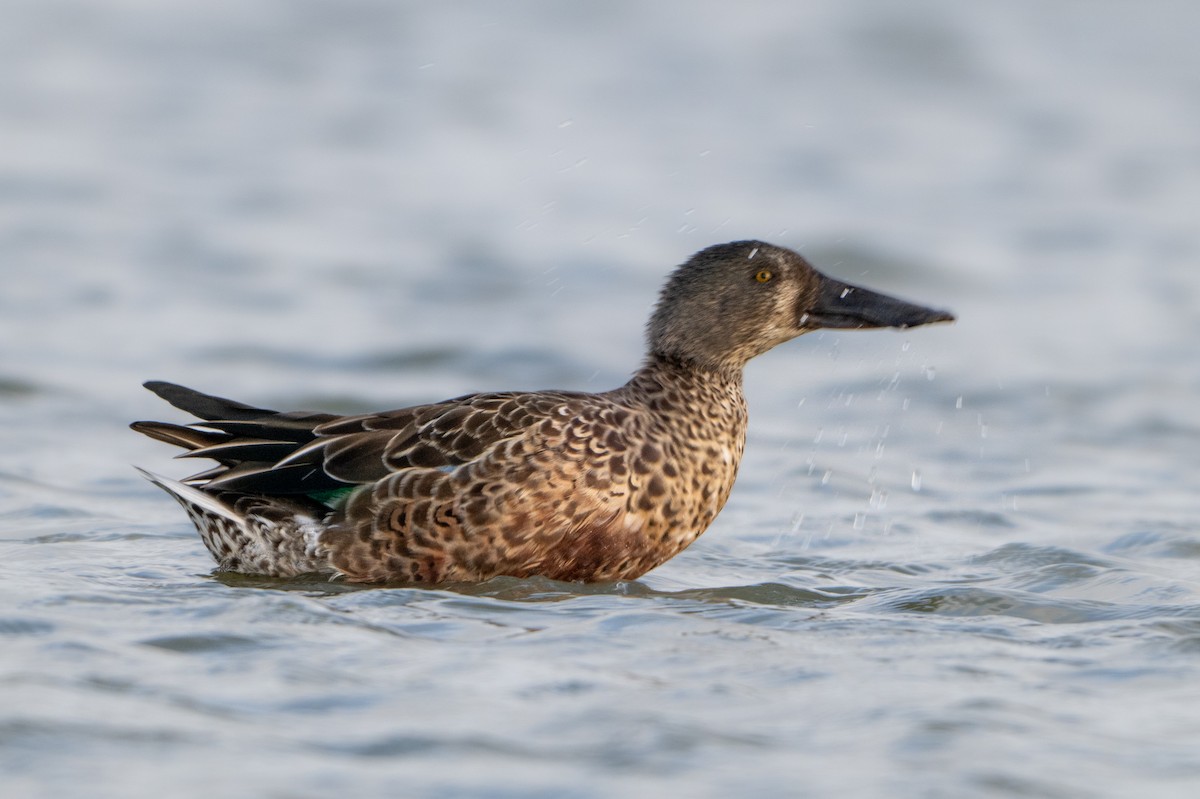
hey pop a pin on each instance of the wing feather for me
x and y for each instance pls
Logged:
(265, 452)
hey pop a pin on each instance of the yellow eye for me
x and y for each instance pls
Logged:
(763, 276)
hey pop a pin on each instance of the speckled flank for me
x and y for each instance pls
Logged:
(572, 486)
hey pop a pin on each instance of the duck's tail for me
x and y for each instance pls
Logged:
(254, 530)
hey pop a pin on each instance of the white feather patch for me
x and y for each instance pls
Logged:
(185, 493)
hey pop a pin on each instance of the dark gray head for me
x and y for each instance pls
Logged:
(734, 301)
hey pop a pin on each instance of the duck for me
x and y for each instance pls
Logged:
(565, 485)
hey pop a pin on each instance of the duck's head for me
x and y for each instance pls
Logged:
(734, 301)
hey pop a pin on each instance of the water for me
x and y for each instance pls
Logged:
(959, 562)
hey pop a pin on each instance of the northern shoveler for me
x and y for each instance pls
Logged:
(568, 485)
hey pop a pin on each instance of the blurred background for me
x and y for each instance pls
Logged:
(960, 561)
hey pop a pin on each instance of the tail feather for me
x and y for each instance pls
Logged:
(186, 495)
(294, 427)
(189, 438)
(204, 406)
(242, 450)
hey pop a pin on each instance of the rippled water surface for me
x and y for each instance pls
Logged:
(959, 561)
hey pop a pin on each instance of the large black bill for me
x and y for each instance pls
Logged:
(840, 305)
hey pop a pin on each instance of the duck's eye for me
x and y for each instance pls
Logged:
(764, 276)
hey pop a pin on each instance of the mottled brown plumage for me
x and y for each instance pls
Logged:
(567, 485)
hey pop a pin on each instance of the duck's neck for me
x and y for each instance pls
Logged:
(677, 370)
(687, 389)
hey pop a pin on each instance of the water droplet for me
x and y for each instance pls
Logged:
(958, 403)
(916, 480)
(825, 477)
(860, 521)
(904, 347)
(566, 123)
(930, 373)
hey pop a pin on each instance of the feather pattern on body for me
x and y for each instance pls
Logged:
(567, 485)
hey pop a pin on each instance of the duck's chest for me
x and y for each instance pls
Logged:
(628, 482)
(684, 455)
(701, 461)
